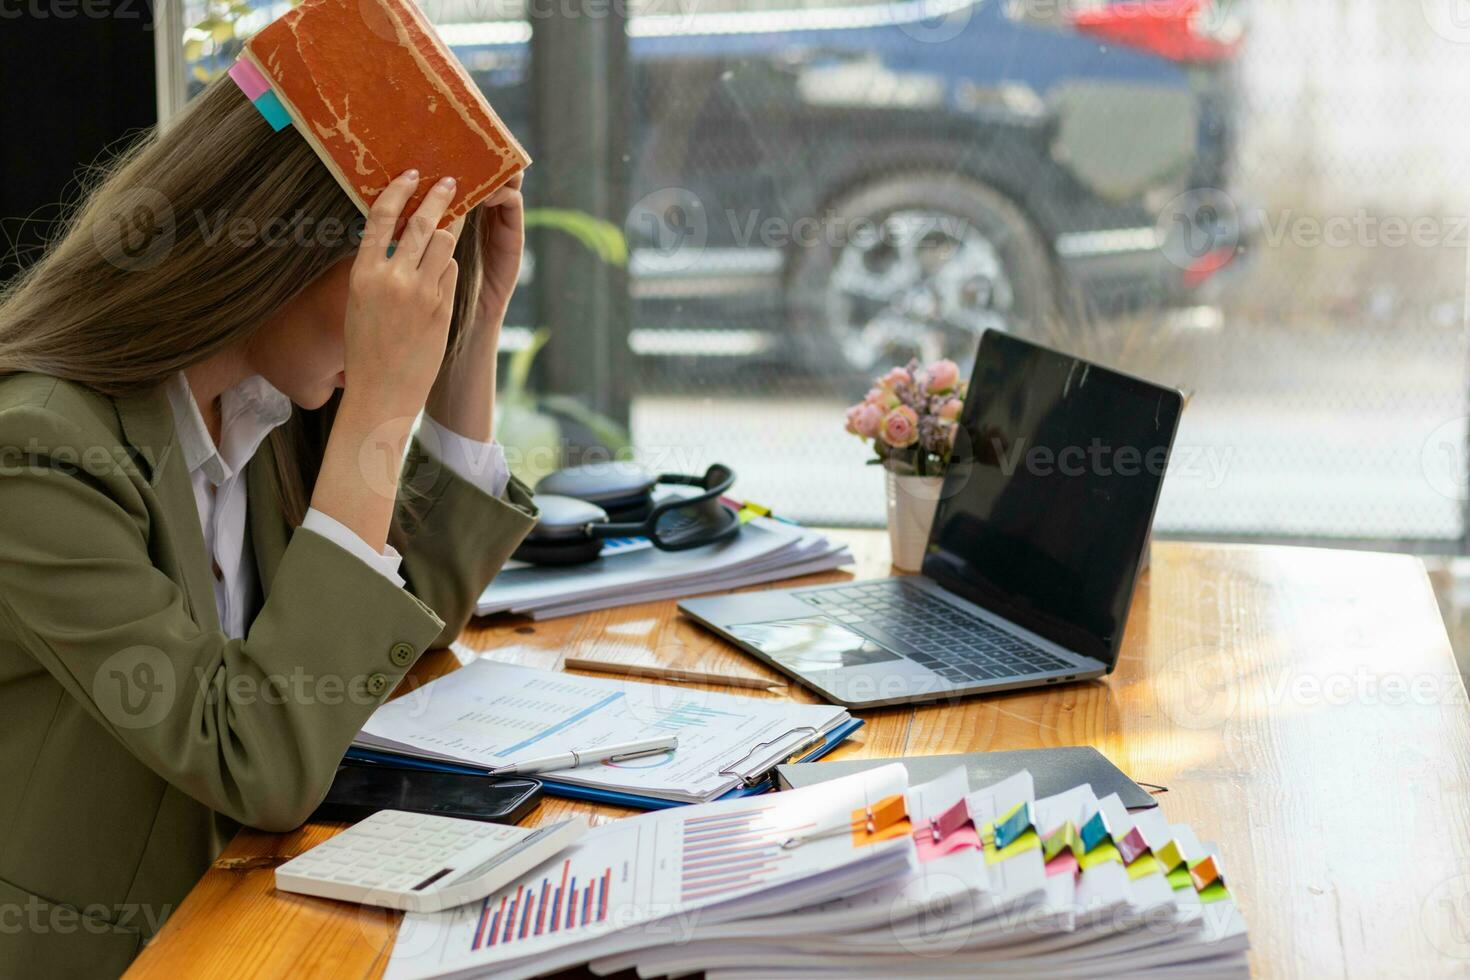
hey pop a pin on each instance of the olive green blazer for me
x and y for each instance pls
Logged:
(135, 737)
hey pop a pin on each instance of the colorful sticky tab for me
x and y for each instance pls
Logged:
(1064, 838)
(1209, 880)
(250, 80)
(889, 811)
(258, 91)
(1028, 841)
(1146, 864)
(1063, 863)
(949, 821)
(1100, 854)
(750, 510)
(1215, 893)
(884, 821)
(1013, 826)
(1094, 831)
(1170, 855)
(1179, 879)
(964, 839)
(1204, 873)
(275, 113)
(1132, 845)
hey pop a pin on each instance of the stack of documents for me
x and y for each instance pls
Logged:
(489, 714)
(863, 876)
(633, 570)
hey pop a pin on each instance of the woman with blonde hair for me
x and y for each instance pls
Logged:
(221, 545)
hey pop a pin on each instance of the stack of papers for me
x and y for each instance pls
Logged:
(489, 714)
(863, 876)
(634, 571)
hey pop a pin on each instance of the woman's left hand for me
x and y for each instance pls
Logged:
(502, 239)
(463, 399)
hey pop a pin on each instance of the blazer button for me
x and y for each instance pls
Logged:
(377, 684)
(402, 654)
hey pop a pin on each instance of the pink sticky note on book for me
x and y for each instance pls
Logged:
(250, 80)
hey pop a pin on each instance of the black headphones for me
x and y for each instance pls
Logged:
(583, 506)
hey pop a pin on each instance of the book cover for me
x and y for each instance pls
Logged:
(376, 92)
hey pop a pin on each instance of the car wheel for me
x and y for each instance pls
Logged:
(917, 265)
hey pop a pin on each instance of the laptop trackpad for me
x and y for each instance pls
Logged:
(812, 645)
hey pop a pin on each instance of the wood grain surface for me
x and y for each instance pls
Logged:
(1302, 707)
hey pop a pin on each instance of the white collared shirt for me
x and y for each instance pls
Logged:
(248, 413)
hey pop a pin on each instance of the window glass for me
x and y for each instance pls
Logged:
(1257, 203)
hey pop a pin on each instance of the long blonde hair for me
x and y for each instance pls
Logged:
(185, 245)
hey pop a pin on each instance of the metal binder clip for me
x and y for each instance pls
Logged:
(801, 750)
(949, 821)
(888, 812)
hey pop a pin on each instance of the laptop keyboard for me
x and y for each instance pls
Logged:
(949, 641)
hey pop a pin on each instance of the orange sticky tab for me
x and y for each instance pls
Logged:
(885, 820)
(1204, 873)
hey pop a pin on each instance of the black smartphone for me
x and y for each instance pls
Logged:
(362, 789)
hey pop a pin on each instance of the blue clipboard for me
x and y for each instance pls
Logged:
(830, 741)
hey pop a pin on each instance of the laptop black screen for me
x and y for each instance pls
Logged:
(1051, 494)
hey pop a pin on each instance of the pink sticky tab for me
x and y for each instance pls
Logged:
(250, 80)
(1063, 863)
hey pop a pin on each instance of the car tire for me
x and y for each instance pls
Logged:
(1021, 297)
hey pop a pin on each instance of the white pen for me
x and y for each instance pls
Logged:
(602, 753)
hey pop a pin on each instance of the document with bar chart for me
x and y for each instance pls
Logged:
(645, 880)
(490, 714)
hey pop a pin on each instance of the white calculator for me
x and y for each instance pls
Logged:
(418, 862)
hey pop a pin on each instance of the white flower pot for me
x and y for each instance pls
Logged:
(911, 504)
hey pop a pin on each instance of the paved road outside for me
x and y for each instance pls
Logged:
(1319, 431)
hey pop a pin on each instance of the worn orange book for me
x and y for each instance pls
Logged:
(376, 92)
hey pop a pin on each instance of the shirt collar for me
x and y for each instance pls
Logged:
(248, 413)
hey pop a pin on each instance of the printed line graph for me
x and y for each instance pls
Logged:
(690, 714)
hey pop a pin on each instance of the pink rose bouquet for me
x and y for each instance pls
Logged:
(912, 414)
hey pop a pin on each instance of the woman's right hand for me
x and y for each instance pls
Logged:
(399, 307)
(398, 313)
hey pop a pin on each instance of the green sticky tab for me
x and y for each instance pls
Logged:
(1171, 856)
(1146, 864)
(275, 113)
(1063, 838)
(1179, 878)
(1215, 893)
(1099, 855)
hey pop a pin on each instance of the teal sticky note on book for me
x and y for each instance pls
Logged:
(270, 107)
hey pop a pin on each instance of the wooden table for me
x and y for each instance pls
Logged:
(1302, 706)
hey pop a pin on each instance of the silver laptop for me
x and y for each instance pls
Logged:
(1031, 563)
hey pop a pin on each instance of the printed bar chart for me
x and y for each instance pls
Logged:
(554, 904)
(730, 852)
